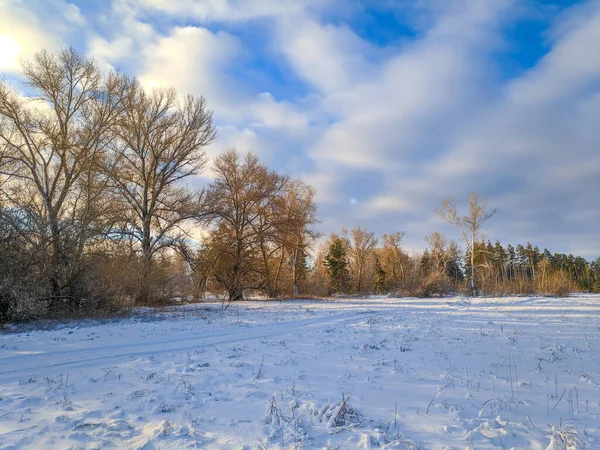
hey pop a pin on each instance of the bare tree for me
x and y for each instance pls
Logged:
(363, 243)
(295, 215)
(5, 158)
(161, 141)
(394, 259)
(301, 214)
(244, 190)
(54, 143)
(469, 226)
(269, 233)
(440, 252)
(437, 251)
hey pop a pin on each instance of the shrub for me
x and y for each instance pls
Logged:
(435, 284)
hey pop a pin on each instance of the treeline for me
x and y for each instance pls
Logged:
(96, 209)
(524, 269)
(356, 262)
(97, 213)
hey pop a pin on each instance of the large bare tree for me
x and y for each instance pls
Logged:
(53, 143)
(469, 226)
(161, 141)
(243, 193)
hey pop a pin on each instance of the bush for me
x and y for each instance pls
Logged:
(557, 283)
(20, 282)
(19, 301)
(435, 284)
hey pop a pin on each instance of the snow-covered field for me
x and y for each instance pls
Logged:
(351, 373)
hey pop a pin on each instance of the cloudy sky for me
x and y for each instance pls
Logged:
(384, 106)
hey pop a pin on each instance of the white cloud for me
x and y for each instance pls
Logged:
(105, 50)
(21, 34)
(387, 203)
(231, 10)
(545, 120)
(327, 56)
(391, 111)
(569, 68)
(268, 112)
(28, 27)
(194, 59)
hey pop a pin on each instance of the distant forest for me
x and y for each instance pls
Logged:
(442, 268)
(97, 213)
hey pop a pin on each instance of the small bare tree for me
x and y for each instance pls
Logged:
(394, 258)
(437, 251)
(299, 213)
(469, 226)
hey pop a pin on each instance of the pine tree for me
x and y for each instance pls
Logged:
(453, 266)
(379, 277)
(521, 261)
(533, 258)
(500, 260)
(300, 268)
(511, 261)
(425, 263)
(595, 269)
(336, 263)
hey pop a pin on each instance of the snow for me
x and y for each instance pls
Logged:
(349, 373)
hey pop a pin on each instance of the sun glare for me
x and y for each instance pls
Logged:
(9, 51)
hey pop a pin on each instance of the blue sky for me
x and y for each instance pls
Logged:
(385, 107)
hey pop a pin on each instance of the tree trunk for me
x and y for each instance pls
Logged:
(278, 274)
(144, 294)
(294, 260)
(269, 288)
(235, 289)
(358, 284)
(57, 260)
(473, 290)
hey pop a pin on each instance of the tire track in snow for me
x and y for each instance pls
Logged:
(29, 365)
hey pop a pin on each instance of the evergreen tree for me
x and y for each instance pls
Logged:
(533, 258)
(379, 277)
(511, 260)
(500, 260)
(547, 255)
(425, 262)
(453, 265)
(595, 274)
(300, 267)
(521, 261)
(336, 263)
